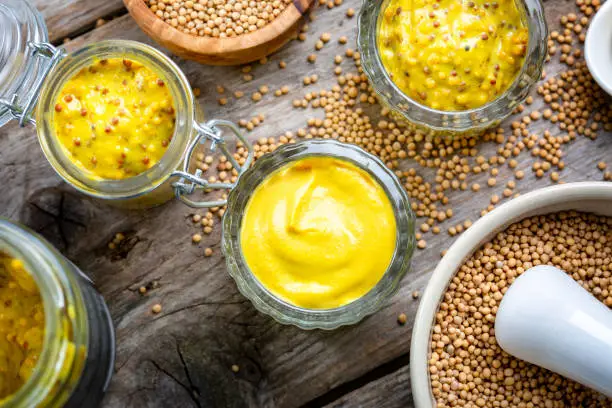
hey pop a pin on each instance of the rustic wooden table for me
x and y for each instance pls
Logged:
(183, 356)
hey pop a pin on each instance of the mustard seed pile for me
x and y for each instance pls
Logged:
(217, 18)
(467, 368)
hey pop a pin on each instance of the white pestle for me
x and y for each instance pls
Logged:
(547, 319)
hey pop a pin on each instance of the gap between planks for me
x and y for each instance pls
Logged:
(377, 373)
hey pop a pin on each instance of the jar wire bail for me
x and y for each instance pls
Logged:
(22, 113)
(188, 183)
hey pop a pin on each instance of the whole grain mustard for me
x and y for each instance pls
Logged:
(115, 118)
(318, 233)
(452, 55)
(22, 325)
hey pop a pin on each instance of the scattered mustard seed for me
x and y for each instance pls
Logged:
(402, 319)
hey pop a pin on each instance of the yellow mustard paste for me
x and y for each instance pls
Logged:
(115, 118)
(318, 233)
(22, 325)
(452, 55)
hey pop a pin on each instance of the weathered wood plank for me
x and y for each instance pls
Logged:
(66, 17)
(183, 355)
(390, 391)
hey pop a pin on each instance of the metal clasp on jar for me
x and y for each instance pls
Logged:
(23, 112)
(189, 183)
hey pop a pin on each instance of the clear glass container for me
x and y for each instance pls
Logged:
(20, 25)
(77, 359)
(280, 310)
(36, 73)
(458, 123)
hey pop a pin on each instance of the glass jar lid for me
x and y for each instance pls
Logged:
(21, 26)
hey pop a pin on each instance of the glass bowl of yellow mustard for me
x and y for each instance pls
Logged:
(452, 68)
(318, 234)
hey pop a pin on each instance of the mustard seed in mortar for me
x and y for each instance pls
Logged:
(467, 367)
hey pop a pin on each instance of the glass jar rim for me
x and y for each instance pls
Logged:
(532, 11)
(57, 294)
(285, 312)
(150, 179)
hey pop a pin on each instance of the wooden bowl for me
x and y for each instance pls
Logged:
(221, 51)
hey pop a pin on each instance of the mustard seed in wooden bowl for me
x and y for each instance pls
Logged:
(221, 19)
(220, 32)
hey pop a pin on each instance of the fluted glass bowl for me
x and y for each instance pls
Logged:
(451, 123)
(281, 311)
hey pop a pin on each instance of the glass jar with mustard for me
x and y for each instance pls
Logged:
(452, 68)
(57, 346)
(116, 119)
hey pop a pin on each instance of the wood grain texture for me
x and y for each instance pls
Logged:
(390, 391)
(183, 356)
(221, 51)
(66, 17)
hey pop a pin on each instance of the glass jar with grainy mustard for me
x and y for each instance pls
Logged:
(452, 68)
(57, 343)
(116, 119)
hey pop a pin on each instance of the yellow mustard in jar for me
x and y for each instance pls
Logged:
(22, 325)
(318, 233)
(115, 118)
(452, 55)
